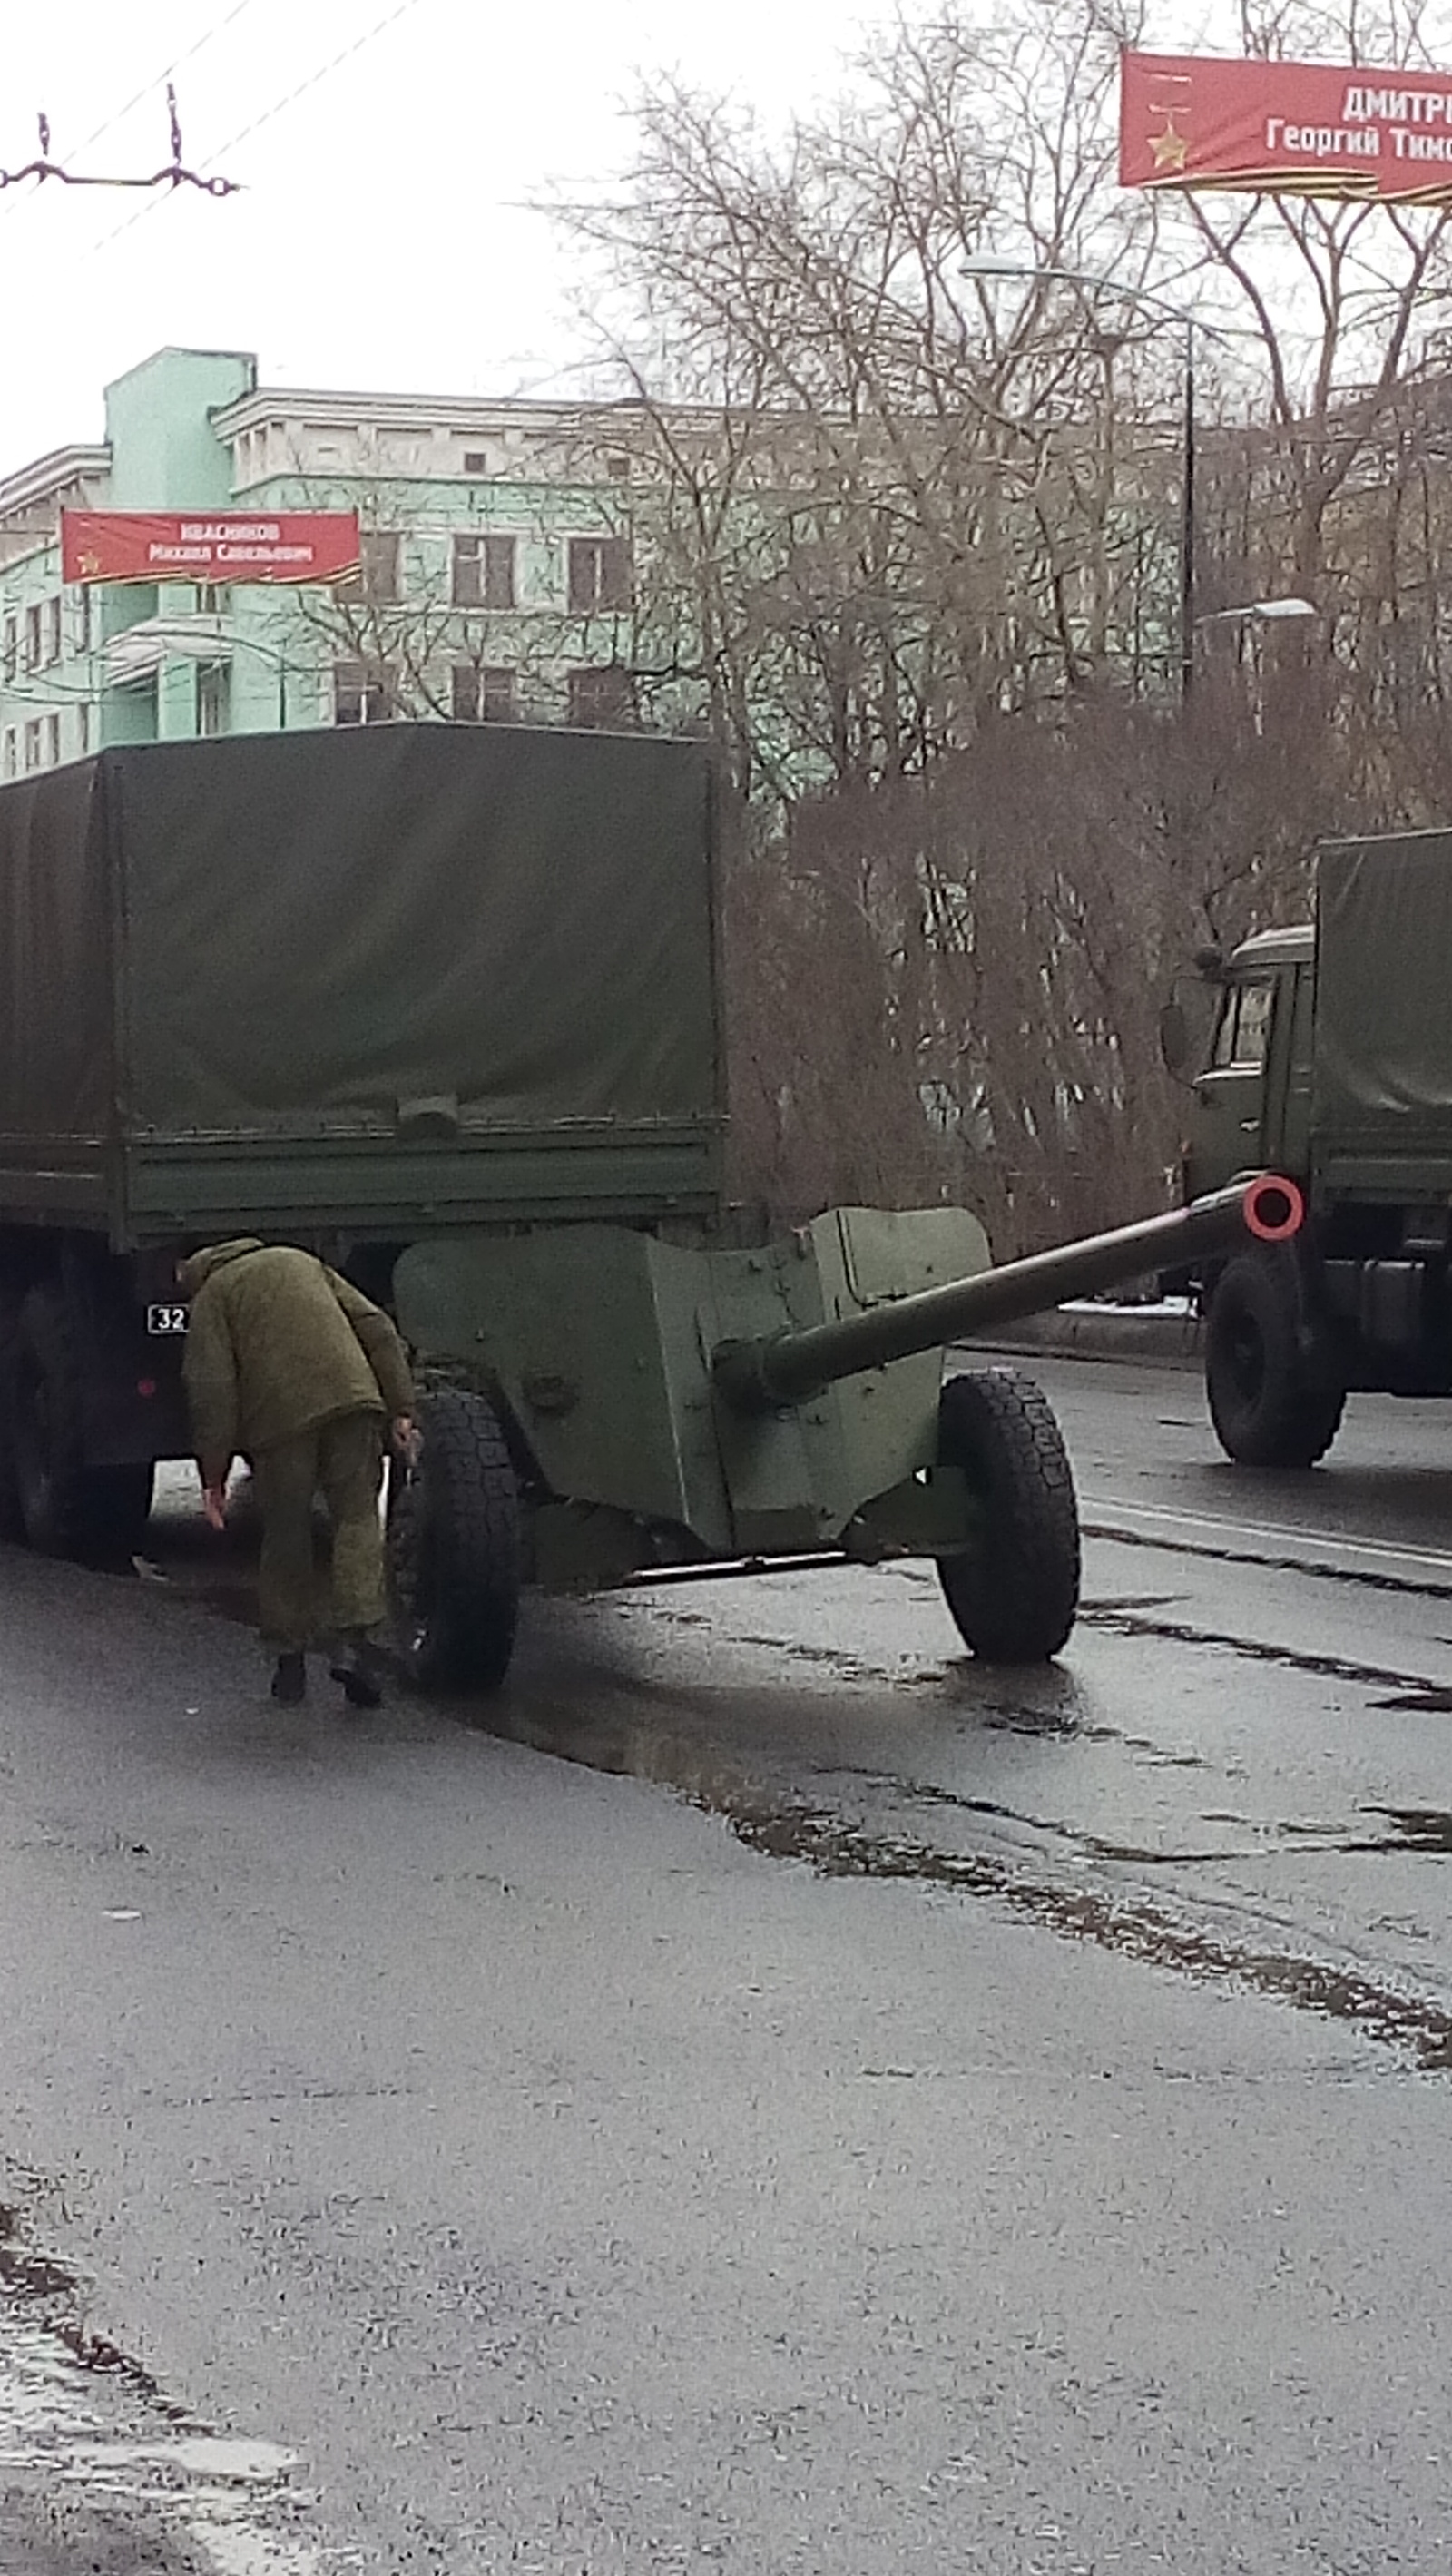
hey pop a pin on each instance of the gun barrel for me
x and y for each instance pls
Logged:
(786, 1368)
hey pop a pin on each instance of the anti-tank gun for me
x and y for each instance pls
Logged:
(608, 1408)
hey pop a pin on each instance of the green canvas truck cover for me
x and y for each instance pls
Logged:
(1383, 1044)
(493, 932)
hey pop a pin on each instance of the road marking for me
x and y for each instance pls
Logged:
(1271, 1543)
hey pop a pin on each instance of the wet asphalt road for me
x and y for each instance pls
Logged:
(852, 2112)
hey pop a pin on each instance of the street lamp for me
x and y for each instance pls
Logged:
(1269, 612)
(984, 264)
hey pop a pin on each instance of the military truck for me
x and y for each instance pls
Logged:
(442, 1004)
(1330, 1055)
(336, 988)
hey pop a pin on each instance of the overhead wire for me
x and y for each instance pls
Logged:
(217, 28)
(402, 9)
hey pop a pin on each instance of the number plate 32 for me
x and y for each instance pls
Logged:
(166, 1319)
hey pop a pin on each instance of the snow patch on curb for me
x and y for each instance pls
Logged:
(230, 2502)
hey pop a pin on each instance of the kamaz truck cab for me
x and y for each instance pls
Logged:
(1252, 1102)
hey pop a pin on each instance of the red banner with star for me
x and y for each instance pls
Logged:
(208, 546)
(1282, 129)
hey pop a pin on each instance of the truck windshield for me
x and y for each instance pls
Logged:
(1244, 1025)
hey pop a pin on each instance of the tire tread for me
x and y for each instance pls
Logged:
(1014, 1596)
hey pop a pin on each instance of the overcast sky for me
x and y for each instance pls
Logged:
(383, 239)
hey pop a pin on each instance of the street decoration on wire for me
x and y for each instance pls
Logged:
(1285, 129)
(174, 173)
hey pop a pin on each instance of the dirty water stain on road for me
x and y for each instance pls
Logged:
(1411, 1694)
(1138, 1932)
(782, 1826)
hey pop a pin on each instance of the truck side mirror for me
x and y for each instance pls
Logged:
(1175, 1040)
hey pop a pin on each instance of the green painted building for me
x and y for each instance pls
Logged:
(498, 578)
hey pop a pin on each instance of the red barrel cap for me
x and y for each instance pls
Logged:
(1275, 1208)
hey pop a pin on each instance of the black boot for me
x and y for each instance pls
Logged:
(360, 1670)
(290, 1681)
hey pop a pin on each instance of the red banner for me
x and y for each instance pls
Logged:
(1304, 129)
(215, 546)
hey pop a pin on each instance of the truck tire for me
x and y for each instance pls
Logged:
(1013, 1595)
(12, 1525)
(65, 1506)
(1276, 1395)
(453, 1547)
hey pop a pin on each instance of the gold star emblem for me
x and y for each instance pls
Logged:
(1169, 149)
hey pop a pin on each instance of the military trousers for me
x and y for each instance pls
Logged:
(341, 1460)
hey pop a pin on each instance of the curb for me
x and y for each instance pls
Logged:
(1170, 1339)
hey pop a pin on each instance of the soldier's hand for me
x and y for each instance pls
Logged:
(403, 1434)
(214, 1504)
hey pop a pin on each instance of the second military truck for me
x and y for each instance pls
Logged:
(1331, 1057)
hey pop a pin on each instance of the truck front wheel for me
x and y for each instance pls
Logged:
(1276, 1395)
(453, 1547)
(1014, 1593)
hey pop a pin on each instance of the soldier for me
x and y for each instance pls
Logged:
(292, 1367)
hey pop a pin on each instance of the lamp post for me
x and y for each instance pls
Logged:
(985, 265)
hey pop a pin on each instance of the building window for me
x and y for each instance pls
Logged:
(378, 556)
(214, 698)
(50, 741)
(599, 573)
(8, 758)
(81, 620)
(485, 696)
(32, 743)
(476, 461)
(601, 697)
(83, 727)
(363, 693)
(484, 572)
(50, 629)
(30, 651)
(8, 657)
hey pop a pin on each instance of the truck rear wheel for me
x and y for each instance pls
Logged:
(65, 1506)
(1276, 1396)
(12, 1524)
(1014, 1593)
(453, 1547)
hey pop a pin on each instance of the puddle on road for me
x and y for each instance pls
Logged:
(784, 1826)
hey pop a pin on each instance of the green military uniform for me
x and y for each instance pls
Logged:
(289, 1364)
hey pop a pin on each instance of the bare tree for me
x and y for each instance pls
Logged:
(913, 535)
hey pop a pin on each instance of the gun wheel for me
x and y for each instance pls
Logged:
(1012, 1594)
(453, 1547)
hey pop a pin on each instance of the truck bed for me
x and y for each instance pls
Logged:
(1381, 1108)
(363, 981)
